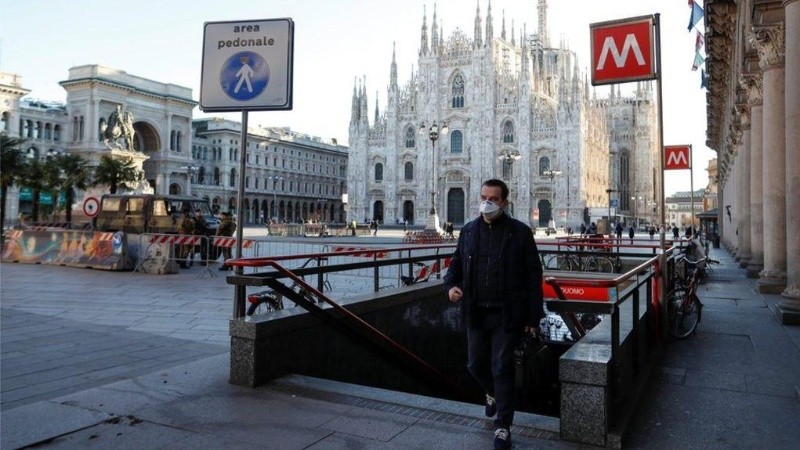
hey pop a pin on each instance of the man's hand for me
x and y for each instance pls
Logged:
(455, 294)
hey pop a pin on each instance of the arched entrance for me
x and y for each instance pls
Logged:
(408, 211)
(545, 212)
(377, 211)
(174, 189)
(455, 206)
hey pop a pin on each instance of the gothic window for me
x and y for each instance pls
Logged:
(409, 171)
(458, 91)
(544, 165)
(201, 175)
(233, 178)
(507, 164)
(624, 176)
(410, 137)
(508, 132)
(216, 176)
(378, 172)
(456, 142)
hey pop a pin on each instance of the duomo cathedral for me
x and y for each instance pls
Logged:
(517, 107)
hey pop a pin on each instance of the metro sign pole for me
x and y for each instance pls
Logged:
(630, 50)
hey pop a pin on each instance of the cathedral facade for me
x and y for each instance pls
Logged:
(516, 108)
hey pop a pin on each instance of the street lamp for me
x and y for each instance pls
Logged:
(609, 191)
(433, 134)
(552, 174)
(509, 158)
(275, 180)
(190, 170)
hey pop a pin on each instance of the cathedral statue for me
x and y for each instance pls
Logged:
(119, 126)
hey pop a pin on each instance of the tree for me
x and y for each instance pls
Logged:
(34, 179)
(64, 173)
(12, 164)
(115, 172)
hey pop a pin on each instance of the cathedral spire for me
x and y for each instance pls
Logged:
(423, 45)
(489, 27)
(513, 42)
(434, 33)
(393, 70)
(544, 34)
(477, 37)
(354, 107)
(377, 109)
(503, 31)
(523, 43)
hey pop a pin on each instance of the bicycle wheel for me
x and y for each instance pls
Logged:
(683, 313)
(265, 305)
(599, 264)
(565, 263)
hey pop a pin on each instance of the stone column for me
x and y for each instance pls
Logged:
(745, 252)
(769, 41)
(790, 307)
(752, 84)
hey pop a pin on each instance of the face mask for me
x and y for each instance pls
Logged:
(489, 210)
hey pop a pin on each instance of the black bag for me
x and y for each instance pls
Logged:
(533, 362)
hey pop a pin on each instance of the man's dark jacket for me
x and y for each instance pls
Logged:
(521, 274)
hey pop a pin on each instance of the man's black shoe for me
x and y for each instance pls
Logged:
(491, 406)
(502, 439)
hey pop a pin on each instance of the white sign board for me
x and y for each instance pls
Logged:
(247, 65)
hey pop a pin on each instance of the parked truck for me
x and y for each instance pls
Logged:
(149, 213)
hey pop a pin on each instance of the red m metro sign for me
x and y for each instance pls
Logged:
(622, 50)
(677, 157)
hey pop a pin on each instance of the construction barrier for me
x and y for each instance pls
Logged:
(74, 248)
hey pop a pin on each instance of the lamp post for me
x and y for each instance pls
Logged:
(433, 134)
(552, 174)
(275, 180)
(509, 158)
(609, 191)
(190, 170)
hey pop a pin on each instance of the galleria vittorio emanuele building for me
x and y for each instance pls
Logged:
(517, 107)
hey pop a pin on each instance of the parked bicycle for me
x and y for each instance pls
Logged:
(684, 308)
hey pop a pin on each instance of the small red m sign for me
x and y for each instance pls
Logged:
(677, 157)
(622, 50)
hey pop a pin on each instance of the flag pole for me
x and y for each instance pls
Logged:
(662, 258)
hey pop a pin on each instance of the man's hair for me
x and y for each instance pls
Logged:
(494, 182)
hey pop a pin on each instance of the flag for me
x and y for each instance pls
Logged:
(703, 79)
(697, 14)
(698, 60)
(700, 41)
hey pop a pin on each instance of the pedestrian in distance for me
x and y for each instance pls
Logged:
(631, 233)
(186, 228)
(226, 229)
(676, 233)
(202, 229)
(583, 229)
(618, 231)
(496, 277)
(651, 231)
(374, 225)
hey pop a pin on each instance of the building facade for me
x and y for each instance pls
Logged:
(174, 154)
(753, 112)
(679, 208)
(517, 108)
(291, 177)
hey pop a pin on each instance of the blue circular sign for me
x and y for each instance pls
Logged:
(244, 76)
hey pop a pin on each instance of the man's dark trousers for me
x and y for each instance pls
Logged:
(490, 355)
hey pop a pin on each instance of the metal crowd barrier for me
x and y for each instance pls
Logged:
(157, 251)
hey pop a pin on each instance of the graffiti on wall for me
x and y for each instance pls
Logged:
(100, 250)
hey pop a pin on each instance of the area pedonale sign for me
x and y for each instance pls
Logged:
(623, 50)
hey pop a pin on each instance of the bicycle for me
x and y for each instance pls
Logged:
(684, 308)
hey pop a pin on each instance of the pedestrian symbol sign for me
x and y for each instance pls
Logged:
(244, 75)
(247, 65)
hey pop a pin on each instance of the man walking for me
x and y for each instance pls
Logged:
(227, 227)
(496, 275)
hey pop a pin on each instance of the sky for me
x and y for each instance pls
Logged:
(335, 43)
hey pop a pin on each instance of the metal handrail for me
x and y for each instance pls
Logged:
(358, 324)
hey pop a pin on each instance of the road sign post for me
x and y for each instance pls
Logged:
(247, 66)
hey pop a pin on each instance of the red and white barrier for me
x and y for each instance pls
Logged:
(174, 239)
(361, 252)
(230, 242)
